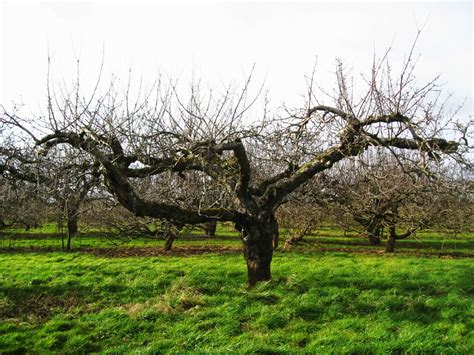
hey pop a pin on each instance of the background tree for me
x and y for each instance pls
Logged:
(373, 188)
(121, 226)
(453, 211)
(58, 182)
(20, 205)
(306, 208)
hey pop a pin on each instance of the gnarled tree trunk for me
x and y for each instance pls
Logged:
(390, 247)
(72, 229)
(374, 231)
(374, 239)
(169, 239)
(72, 216)
(393, 237)
(170, 232)
(210, 229)
(373, 226)
(258, 238)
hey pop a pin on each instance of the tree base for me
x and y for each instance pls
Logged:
(258, 271)
(374, 241)
(390, 248)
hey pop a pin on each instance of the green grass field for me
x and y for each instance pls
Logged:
(418, 300)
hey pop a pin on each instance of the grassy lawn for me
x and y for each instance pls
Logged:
(322, 302)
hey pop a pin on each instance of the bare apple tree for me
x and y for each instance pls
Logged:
(372, 188)
(20, 204)
(58, 182)
(453, 212)
(305, 210)
(206, 138)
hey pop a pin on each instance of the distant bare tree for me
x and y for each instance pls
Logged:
(61, 181)
(122, 226)
(20, 203)
(380, 194)
(453, 211)
(305, 210)
(20, 206)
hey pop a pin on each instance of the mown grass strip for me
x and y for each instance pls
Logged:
(323, 302)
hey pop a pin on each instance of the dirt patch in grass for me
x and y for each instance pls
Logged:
(184, 251)
(379, 251)
(101, 235)
(406, 244)
(124, 252)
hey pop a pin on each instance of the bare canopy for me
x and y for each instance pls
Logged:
(250, 168)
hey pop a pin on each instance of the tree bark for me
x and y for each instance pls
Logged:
(170, 232)
(374, 239)
(169, 239)
(390, 247)
(372, 226)
(374, 234)
(393, 236)
(72, 228)
(210, 229)
(258, 239)
(258, 256)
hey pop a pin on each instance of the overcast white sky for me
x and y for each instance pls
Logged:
(221, 41)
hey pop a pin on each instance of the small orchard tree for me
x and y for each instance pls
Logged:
(305, 210)
(121, 226)
(453, 211)
(61, 181)
(68, 186)
(20, 206)
(20, 203)
(205, 141)
(374, 189)
(299, 219)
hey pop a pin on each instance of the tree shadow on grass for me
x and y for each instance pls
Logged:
(41, 303)
(404, 296)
